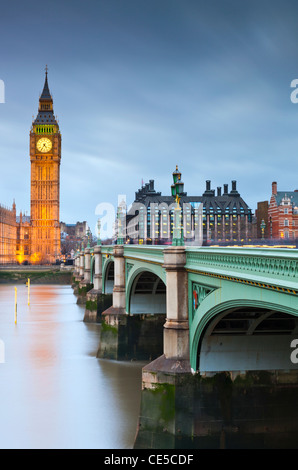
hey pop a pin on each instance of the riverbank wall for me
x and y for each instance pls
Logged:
(36, 274)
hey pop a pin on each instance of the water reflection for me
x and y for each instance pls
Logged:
(54, 392)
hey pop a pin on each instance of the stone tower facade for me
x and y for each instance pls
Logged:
(45, 158)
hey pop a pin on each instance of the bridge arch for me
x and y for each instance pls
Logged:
(146, 292)
(216, 343)
(92, 269)
(108, 276)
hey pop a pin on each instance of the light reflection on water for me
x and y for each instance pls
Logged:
(54, 392)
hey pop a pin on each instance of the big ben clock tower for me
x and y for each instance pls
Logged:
(45, 157)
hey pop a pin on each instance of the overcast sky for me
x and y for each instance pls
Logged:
(142, 85)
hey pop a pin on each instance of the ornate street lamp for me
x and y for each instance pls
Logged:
(88, 238)
(263, 225)
(98, 232)
(177, 190)
(119, 227)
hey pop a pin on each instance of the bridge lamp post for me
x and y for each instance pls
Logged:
(263, 225)
(98, 232)
(177, 190)
(88, 238)
(119, 226)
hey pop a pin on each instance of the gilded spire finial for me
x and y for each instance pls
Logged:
(46, 69)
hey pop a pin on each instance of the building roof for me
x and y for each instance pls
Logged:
(229, 202)
(25, 219)
(292, 195)
(45, 116)
(46, 95)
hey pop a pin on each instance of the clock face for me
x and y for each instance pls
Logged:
(44, 144)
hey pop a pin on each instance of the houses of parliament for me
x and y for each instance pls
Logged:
(36, 238)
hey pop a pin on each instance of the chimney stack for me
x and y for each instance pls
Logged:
(274, 187)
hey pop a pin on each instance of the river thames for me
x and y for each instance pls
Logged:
(54, 392)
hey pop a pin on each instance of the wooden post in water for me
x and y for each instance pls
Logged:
(15, 305)
(28, 290)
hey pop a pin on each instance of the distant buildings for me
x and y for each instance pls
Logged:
(74, 231)
(73, 236)
(261, 220)
(14, 236)
(282, 218)
(220, 217)
(277, 219)
(8, 234)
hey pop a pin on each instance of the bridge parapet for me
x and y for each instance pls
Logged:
(275, 267)
(107, 249)
(151, 254)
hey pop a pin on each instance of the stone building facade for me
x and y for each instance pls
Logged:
(8, 234)
(283, 214)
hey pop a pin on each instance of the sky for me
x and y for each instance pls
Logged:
(140, 86)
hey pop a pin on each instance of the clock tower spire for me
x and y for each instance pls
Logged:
(45, 157)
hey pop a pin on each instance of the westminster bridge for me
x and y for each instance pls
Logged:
(219, 328)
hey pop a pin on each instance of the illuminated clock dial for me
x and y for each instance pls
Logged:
(44, 144)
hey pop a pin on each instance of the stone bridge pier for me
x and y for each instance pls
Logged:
(97, 279)
(87, 274)
(78, 274)
(75, 271)
(175, 357)
(96, 301)
(82, 263)
(166, 380)
(78, 269)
